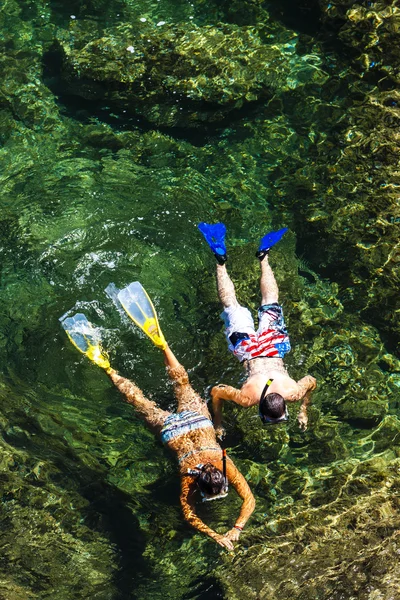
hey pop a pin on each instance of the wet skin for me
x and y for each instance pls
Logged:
(260, 369)
(196, 447)
(250, 392)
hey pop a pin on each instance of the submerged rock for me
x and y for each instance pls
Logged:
(342, 549)
(47, 548)
(22, 91)
(88, 493)
(175, 75)
(348, 220)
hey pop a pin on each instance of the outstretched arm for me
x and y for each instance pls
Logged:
(304, 388)
(188, 488)
(219, 393)
(241, 486)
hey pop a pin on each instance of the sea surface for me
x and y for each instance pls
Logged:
(124, 124)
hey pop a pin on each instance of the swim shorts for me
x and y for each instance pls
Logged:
(178, 424)
(271, 339)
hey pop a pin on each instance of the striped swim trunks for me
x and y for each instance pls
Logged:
(271, 339)
(183, 422)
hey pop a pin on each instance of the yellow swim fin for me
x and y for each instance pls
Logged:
(137, 304)
(85, 338)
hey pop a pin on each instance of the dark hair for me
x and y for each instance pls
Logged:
(272, 406)
(211, 480)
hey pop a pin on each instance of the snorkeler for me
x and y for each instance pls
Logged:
(268, 383)
(189, 432)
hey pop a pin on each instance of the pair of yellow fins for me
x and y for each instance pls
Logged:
(135, 302)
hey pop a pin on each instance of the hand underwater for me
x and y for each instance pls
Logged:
(220, 432)
(233, 534)
(303, 420)
(223, 541)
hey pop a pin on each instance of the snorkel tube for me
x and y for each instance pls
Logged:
(224, 491)
(224, 466)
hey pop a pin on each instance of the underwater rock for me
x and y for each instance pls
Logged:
(176, 75)
(343, 203)
(343, 546)
(46, 546)
(358, 243)
(343, 198)
(22, 91)
(371, 30)
(24, 95)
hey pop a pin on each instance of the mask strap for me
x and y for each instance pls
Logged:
(196, 471)
(193, 472)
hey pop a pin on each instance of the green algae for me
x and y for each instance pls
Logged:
(45, 542)
(89, 495)
(176, 76)
(357, 531)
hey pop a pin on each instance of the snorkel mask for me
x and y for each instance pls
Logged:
(224, 492)
(206, 498)
(271, 421)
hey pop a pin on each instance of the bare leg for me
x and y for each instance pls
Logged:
(170, 359)
(268, 286)
(226, 289)
(185, 395)
(146, 409)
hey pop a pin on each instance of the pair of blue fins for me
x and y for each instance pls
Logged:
(136, 303)
(215, 238)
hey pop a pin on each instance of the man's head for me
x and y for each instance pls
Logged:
(211, 481)
(272, 409)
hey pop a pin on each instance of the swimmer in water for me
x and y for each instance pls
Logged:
(188, 433)
(268, 383)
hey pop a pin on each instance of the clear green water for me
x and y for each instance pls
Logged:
(91, 194)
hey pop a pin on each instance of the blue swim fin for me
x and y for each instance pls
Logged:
(215, 238)
(269, 240)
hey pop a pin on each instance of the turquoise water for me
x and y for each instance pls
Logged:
(246, 114)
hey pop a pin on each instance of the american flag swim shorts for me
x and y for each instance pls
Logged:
(270, 340)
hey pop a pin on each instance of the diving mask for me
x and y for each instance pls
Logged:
(271, 421)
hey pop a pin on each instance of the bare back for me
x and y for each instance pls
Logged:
(195, 447)
(262, 369)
